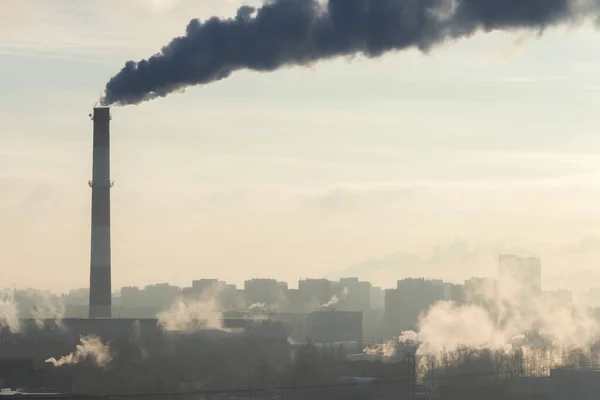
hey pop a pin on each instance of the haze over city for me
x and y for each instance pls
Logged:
(410, 164)
(300, 199)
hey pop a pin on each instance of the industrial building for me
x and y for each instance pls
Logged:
(321, 327)
(404, 305)
(336, 326)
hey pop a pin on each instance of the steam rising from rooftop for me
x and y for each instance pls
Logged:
(301, 32)
(334, 299)
(44, 307)
(506, 315)
(389, 351)
(89, 348)
(258, 307)
(188, 315)
(9, 314)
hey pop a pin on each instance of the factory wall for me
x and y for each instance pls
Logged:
(336, 326)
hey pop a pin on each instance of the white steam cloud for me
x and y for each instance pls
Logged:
(188, 315)
(390, 351)
(90, 348)
(9, 314)
(38, 305)
(45, 307)
(504, 316)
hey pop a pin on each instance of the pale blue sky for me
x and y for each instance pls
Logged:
(301, 172)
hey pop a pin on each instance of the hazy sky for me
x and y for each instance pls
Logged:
(411, 164)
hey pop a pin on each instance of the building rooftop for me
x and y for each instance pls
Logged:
(40, 394)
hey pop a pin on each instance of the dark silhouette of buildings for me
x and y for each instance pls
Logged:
(272, 337)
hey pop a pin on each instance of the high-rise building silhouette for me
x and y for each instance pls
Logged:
(523, 273)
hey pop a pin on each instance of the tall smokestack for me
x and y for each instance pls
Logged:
(100, 276)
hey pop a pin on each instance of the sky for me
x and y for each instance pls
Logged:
(408, 165)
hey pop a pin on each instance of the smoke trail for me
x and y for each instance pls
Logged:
(258, 307)
(301, 32)
(334, 299)
(90, 348)
(9, 314)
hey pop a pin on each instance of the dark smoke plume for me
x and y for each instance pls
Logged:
(301, 32)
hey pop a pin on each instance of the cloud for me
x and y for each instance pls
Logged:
(95, 27)
(580, 280)
(588, 244)
(455, 261)
(354, 199)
